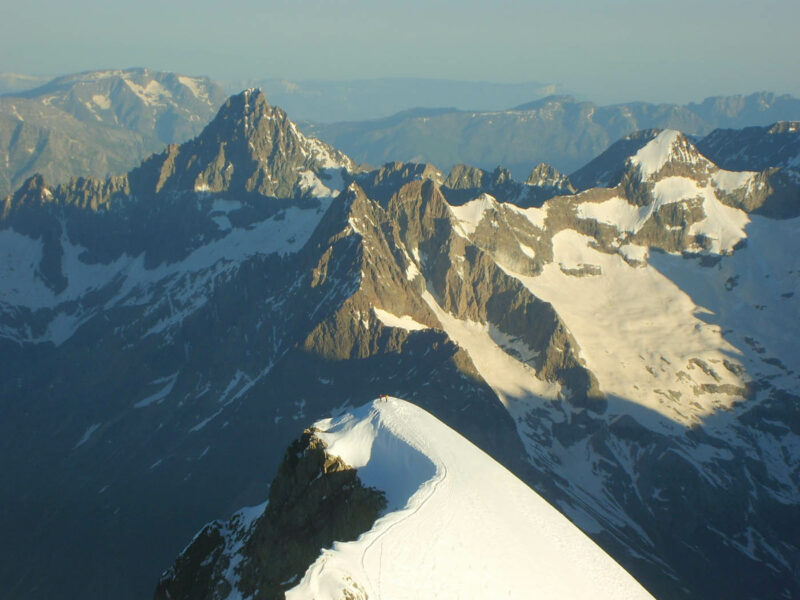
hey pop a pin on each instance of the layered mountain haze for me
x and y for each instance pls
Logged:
(324, 101)
(99, 122)
(20, 82)
(627, 351)
(559, 130)
(761, 108)
(754, 148)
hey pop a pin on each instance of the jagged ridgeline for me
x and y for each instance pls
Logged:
(626, 350)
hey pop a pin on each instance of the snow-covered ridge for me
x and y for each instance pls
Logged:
(667, 146)
(656, 153)
(460, 526)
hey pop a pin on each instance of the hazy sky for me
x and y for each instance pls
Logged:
(606, 50)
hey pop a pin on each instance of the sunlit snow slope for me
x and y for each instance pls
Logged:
(460, 526)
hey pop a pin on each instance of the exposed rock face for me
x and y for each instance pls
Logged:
(544, 175)
(754, 148)
(162, 332)
(464, 177)
(314, 500)
(237, 152)
(465, 183)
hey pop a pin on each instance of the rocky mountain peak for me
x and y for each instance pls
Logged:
(668, 153)
(251, 147)
(248, 123)
(34, 184)
(382, 183)
(545, 175)
(607, 168)
(645, 157)
(464, 177)
(501, 176)
(243, 114)
(33, 191)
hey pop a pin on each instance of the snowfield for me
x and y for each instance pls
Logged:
(187, 281)
(460, 525)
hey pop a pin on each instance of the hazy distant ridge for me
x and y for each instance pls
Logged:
(559, 130)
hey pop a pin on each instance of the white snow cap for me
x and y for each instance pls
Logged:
(667, 146)
(459, 524)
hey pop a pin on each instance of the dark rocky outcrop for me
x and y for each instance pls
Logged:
(314, 500)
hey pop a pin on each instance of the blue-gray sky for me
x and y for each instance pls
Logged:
(606, 50)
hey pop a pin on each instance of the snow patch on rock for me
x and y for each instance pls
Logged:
(402, 322)
(102, 101)
(470, 215)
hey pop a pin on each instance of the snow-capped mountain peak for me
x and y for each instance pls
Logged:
(456, 524)
(669, 147)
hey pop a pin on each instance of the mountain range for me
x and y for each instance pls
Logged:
(332, 101)
(626, 347)
(559, 130)
(99, 122)
(58, 129)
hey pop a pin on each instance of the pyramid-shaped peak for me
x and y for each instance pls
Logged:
(250, 146)
(254, 101)
(667, 147)
(33, 190)
(249, 100)
(246, 110)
